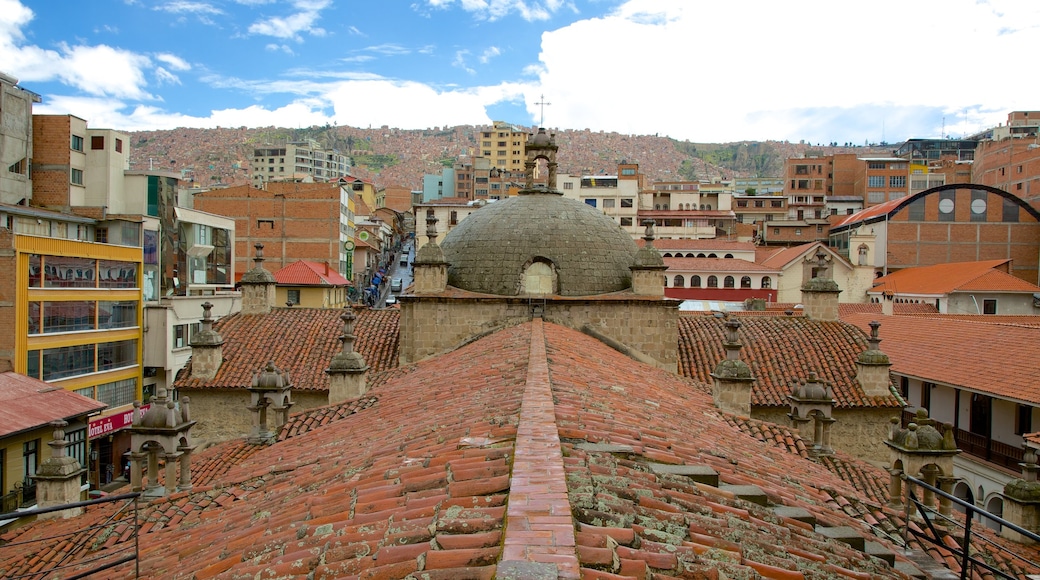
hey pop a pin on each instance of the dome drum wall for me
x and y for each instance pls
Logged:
(491, 250)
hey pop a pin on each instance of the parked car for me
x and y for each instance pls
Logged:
(396, 285)
(391, 300)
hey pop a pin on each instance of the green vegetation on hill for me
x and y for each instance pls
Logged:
(746, 158)
(375, 162)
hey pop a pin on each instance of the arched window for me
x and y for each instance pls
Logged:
(728, 282)
(701, 255)
(728, 256)
(708, 207)
(713, 282)
(695, 282)
(679, 282)
(767, 282)
(745, 282)
(690, 256)
(667, 255)
(702, 206)
(713, 255)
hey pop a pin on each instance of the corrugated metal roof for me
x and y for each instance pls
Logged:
(28, 403)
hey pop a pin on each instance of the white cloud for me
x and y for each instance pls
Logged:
(188, 7)
(489, 54)
(354, 31)
(460, 61)
(282, 47)
(529, 10)
(173, 61)
(165, 77)
(290, 27)
(751, 79)
(388, 49)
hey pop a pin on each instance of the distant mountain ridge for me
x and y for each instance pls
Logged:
(388, 156)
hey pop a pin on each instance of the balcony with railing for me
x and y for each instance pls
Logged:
(983, 448)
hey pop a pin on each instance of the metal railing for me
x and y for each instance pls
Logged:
(77, 555)
(969, 562)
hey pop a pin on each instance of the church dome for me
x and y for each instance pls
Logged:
(493, 248)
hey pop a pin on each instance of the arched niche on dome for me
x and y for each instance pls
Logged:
(539, 278)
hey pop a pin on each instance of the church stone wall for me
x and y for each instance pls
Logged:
(858, 432)
(223, 414)
(432, 325)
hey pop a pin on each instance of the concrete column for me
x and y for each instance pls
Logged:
(172, 463)
(185, 480)
(895, 488)
(137, 461)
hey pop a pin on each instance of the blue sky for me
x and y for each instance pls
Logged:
(702, 70)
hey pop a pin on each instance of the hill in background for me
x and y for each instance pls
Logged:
(388, 156)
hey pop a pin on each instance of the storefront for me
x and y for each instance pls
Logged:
(109, 443)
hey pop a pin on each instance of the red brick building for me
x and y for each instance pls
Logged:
(294, 221)
(950, 223)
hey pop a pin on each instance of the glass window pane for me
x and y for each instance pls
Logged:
(68, 361)
(116, 274)
(121, 314)
(66, 272)
(68, 316)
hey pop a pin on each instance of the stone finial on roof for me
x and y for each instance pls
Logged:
(1022, 499)
(820, 293)
(206, 348)
(58, 477)
(431, 267)
(161, 432)
(540, 146)
(270, 389)
(258, 286)
(732, 389)
(647, 266)
(347, 370)
(921, 451)
(872, 366)
(813, 400)
(431, 252)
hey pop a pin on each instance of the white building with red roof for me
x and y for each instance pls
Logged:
(985, 287)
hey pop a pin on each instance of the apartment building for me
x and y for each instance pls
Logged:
(307, 161)
(15, 140)
(951, 223)
(294, 221)
(75, 316)
(1009, 157)
(504, 144)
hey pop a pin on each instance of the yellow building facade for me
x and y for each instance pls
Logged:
(76, 319)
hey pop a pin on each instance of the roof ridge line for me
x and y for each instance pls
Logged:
(538, 503)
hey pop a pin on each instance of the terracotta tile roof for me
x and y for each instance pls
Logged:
(946, 350)
(714, 244)
(716, 265)
(780, 257)
(1018, 320)
(419, 483)
(954, 277)
(299, 340)
(899, 309)
(780, 350)
(27, 403)
(307, 273)
(871, 212)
